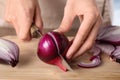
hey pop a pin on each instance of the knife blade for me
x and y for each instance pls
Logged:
(65, 63)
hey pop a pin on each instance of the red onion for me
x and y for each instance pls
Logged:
(109, 41)
(9, 52)
(51, 45)
(110, 34)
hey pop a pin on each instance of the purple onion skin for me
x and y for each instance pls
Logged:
(47, 49)
(63, 42)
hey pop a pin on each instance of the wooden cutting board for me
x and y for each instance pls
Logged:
(30, 67)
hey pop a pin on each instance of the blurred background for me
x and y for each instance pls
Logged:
(52, 13)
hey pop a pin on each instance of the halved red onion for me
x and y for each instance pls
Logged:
(9, 52)
(51, 46)
(112, 40)
(110, 35)
(95, 59)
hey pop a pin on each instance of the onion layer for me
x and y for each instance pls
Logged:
(94, 62)
(95, 59)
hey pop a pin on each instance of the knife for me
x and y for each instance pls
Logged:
(35, 32)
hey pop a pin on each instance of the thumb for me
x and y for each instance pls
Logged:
(66, 22)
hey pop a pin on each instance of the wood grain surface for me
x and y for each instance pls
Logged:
(30, 67)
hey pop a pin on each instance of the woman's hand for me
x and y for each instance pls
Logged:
(90, 19)
(21, 14)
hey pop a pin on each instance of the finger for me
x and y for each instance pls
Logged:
(85, 27)
(20, 27)
(90, 40)
(12, 20)
(7, 11)
(16, 27)
(38, 18)
(24, 29)
(24, 34)
(66, 22)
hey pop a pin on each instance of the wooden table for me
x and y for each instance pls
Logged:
(30, 67)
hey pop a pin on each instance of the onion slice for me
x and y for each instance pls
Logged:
(9, 52)
(95, 60)
(94, 63)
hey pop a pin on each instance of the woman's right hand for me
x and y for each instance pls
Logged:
(21, 14)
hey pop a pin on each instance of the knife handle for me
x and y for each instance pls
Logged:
(35, 32)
